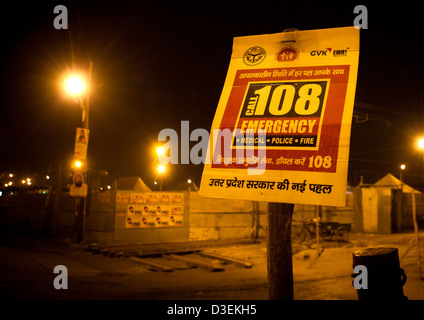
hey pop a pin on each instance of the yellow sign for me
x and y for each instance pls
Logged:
(281, 131)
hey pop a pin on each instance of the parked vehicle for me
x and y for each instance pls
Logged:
(303, 230)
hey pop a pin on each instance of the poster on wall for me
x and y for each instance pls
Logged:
(281, 131)
(154, 210)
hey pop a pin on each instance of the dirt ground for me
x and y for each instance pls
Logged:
(27, 265)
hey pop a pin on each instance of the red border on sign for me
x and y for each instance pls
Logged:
(337, 77)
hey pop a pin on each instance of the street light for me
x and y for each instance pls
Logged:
(161, 171)
(78, 164)
(161, 168)
(402, 168)
(420, 144)
(76, 86)
(420, 147)
(160, 151)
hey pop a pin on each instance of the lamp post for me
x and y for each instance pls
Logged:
(402, 168)
(75, 85)
(160, 151)
(420, 147)
(78, 88)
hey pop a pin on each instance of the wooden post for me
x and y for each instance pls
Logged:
(399, 199)
(280, 264)
(414, 219)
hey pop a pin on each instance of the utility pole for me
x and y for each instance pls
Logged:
(81, 201)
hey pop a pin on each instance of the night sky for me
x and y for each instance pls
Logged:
(158, 63)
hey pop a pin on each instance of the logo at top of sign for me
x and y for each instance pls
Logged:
(287, 54)
(254, 56)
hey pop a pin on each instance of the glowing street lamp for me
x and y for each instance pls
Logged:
(75, 85)
(160, 151)
(78, 164)
(420, 147)
(402, 168)
(161, 171)
(420, 144)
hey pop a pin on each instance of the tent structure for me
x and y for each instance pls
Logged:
(132, 183)
(376, 200)
(392, 182)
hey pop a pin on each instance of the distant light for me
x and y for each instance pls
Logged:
(108, 187)
(23, 181)
(28, 179)
(11, 175)
(160, 151)
(29, 183)
(403, 167)
(78, 164)
(6, 185)
(44, 191)
(47, 177)
(156, 183)
(189, 181)
(10, 183)
(161, 168)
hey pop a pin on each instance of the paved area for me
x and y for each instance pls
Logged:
(27, 265)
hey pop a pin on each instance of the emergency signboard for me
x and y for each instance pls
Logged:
(281, 131)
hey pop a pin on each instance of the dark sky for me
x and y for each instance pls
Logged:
(158, 63)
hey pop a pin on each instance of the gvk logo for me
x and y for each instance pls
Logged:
(320, 52)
